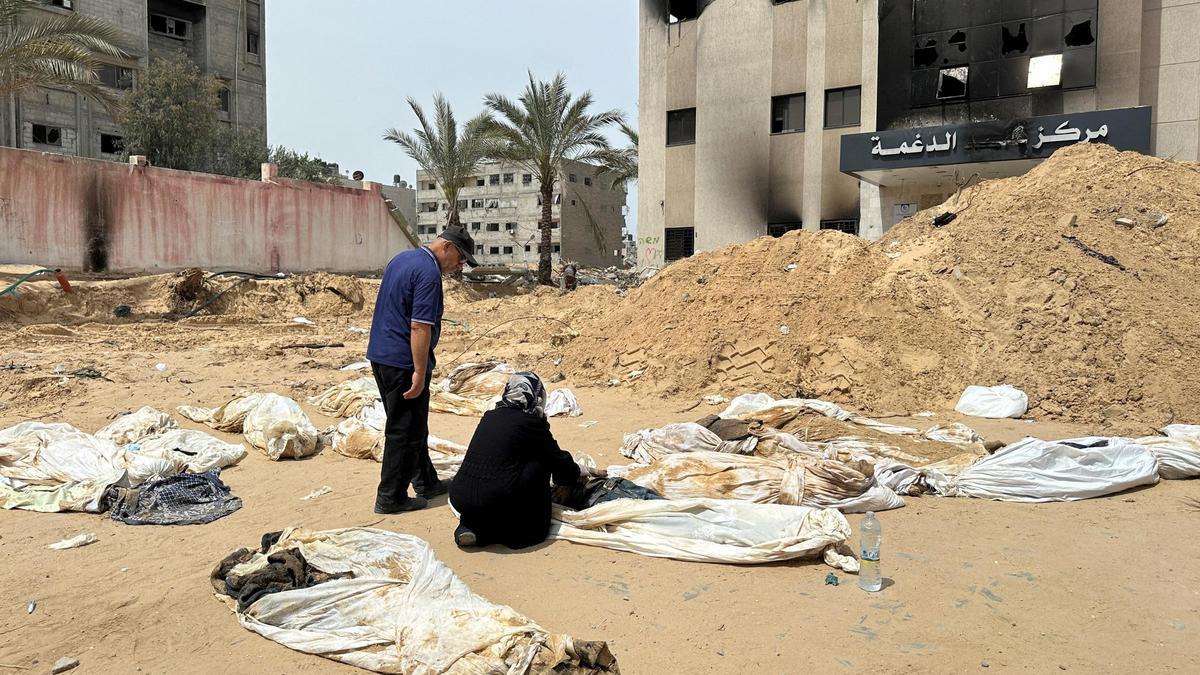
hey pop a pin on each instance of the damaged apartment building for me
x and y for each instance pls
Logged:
(502, 205)
(225, 38)
(763, 116)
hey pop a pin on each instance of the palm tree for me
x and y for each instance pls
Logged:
(542, 128)
(448, 154)
(57, 51)
(621, 164)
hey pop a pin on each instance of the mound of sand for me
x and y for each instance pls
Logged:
(1034, 284)
(173, 296)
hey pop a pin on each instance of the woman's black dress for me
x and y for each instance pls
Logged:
(502, 490)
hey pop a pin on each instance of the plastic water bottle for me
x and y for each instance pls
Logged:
(870, 578)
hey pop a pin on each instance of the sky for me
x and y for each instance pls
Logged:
(339, 71)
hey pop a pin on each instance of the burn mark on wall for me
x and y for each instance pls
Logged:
(96, 226)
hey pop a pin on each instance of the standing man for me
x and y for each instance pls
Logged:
(404, 333)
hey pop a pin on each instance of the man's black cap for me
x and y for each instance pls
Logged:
(458, 236)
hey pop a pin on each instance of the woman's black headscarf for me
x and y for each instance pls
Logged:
(524, 392)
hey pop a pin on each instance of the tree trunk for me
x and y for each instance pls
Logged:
(545, 248)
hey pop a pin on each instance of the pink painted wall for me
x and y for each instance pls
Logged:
(74, 213)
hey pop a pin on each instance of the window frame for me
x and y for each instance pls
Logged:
(803, 96)
(677, 143)
(842, 92)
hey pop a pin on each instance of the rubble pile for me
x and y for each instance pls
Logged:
(1075, 283)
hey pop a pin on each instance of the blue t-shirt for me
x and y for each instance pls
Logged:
(411, 291)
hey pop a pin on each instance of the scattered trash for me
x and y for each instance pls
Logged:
(790, 268)
(613, 382)
(1126, 223)
(73, 542)
(59, 369)
(357, 365)
(715, 399)
(1067, 220)
(831, 579)
(993, 402)
(557, 361)
(64, 664)
(702, 280)
(121, 311)
(1089, 251)
(589, 424)
(323, 490)
(356, 329)
(784, 330)
(924, 413)
(634, 374)
(31, 606)
(944, 219)
(302, 321)
(89, 373)
(161, 367)
(893, 256)
(1160, 219)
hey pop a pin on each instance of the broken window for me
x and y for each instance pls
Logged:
(461, 204)
(475, 226)
(678, 243)
(526, 178)
(1080, 34)
(47, 135)
(571, 177)
(587, 180)
(842, 107)
(925, 53)
(431, 186)
(1013, 39)
(116, 77)
(554, 225)
(1045, 71)
(681, 126)
(477, 203)
(508, 178)
(528, 248)
(429, 207)
(683, 10)
(480, 182)
(510, 227)
(958, 41)
(492, 204)
(557, 248)
(508, 250)
(223, 99)
(65, 4)
(952, 83)
(251, 42)
(494, 250)
(494, 179)
(111, 144)
(493, 227)
(170, 26)
(479, 249)
(787, 113)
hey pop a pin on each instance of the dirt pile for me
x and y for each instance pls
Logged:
(1035, 283)
(188, 293)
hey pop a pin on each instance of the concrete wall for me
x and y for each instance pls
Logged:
(1170, 75)
(728, 63)
(61, 211)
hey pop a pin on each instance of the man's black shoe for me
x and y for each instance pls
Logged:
(409, 504)
(439, 488)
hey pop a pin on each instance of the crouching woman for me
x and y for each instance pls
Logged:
(502, 490)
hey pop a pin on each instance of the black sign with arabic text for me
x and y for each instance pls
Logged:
(1031, 138)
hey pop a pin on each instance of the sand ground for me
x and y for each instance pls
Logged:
(1107, 585)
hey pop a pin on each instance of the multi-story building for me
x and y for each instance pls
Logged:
(502, 205)
(225, 38)
(762, 116)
